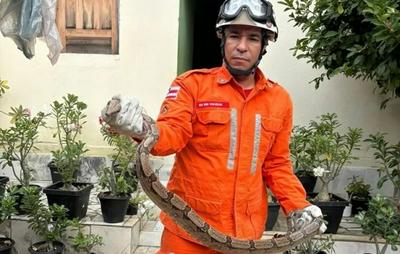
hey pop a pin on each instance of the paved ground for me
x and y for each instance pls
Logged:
(146, 250)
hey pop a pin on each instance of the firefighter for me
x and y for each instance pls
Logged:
(229, 128)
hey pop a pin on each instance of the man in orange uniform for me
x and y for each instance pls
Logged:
(229, 128)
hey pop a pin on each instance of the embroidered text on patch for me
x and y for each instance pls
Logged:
(173, 92)
(213, 104)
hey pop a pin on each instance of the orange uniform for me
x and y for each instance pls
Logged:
(227, 147)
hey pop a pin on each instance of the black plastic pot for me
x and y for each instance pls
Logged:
(332, 211)
(132, 209)
(55, 175)
(113, 208)
(41, 248)
(273, 212)
(75, 201)
(6, 245)
(19, 197)
(3, 182)
(358, 205)
(308, 182)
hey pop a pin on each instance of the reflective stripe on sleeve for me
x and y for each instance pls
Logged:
(256, 144)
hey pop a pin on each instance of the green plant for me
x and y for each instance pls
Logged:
(18, 141)
(70, 120)
(388, 156)
(358, 38)
(3, 86)
(303, 158)
(381, 220)
(50, 223)
(119, 179)
(137, 199)
(7, 204)
(358, 189)
(329, 149)
(85, 242)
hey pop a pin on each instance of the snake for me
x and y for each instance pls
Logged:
(187, 218)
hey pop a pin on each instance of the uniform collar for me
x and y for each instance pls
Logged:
(224, 77)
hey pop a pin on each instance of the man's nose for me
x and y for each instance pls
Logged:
(242, 44)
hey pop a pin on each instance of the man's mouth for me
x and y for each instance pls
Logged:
(240, 59)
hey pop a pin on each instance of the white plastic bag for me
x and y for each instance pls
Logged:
(50, 31)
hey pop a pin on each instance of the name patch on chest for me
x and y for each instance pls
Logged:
(213, 104)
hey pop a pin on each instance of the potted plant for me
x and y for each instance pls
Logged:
(118, 180)
(135, 202)
(70, 118)
(388, 157)
(381, 221)
(330, 151)
(18, 142)
(273, 211)
(303, 158)
(82, 242)
(7, 208)
(359, 194)
(49, 223)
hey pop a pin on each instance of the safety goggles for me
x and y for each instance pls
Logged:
(259, 10)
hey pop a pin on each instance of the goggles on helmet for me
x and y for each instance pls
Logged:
(259, 10)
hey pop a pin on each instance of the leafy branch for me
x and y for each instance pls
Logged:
(358, 38)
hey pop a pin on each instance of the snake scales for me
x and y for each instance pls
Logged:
(189, 220)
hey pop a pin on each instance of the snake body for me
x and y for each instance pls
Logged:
(190, 221)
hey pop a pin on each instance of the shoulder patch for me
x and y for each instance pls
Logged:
(173, 92)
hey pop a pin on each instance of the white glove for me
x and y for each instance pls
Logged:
(301, 218)
(124, 115)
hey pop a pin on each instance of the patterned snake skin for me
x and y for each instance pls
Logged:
(189, 220)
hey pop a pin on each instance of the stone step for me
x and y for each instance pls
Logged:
(146, 250)
(150, 236)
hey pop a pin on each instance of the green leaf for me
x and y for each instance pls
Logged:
(340, 9)
(330, 34)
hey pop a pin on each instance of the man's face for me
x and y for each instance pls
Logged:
(242, 46)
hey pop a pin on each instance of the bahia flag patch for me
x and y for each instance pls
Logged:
(173, 92)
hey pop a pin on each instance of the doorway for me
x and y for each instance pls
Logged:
(198, 45)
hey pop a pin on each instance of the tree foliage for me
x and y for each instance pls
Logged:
(358, 38)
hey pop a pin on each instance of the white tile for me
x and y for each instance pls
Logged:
(117, 240)
(150, 238)
(5, 228)
(22, 235)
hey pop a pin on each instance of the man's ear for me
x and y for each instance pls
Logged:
(264, 50)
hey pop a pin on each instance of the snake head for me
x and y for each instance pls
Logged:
(113, 106)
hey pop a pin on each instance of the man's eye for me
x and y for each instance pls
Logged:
(254, 38)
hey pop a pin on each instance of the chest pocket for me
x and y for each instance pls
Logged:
(270, 128)
(211, 131)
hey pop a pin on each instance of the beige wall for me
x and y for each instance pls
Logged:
(144, 68)
(147, 64)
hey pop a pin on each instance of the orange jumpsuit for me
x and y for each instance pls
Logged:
(228, 146)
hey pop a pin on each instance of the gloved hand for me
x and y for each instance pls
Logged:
(124, 115)
(301, 218)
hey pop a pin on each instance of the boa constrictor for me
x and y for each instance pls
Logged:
(189, 220)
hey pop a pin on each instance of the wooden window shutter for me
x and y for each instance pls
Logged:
(88, 26)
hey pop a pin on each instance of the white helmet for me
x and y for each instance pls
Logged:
(258, 13)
